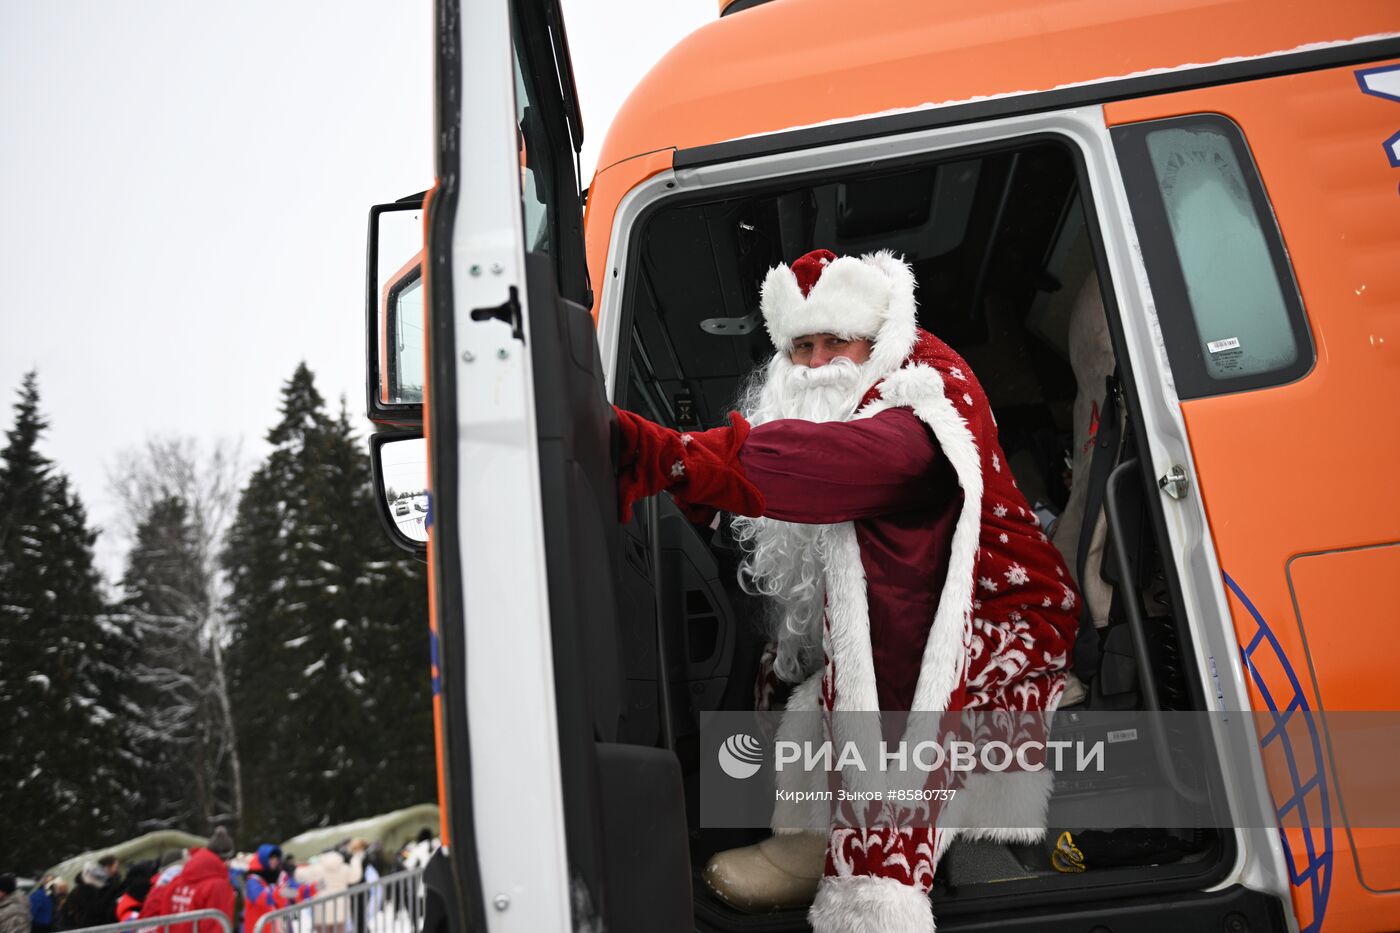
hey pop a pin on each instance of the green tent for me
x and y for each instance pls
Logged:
(391, 830)
(150, 846)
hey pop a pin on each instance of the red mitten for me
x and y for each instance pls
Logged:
(712, 473)
(702, 469)
(650, 460)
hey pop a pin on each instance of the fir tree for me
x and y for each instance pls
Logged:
(387, 606)
(64, 692)
(322, 618)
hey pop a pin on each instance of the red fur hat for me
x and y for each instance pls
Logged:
(870, 296)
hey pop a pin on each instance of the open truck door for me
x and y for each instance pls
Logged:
(551, 824)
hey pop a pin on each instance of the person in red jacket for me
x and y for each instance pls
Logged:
(266, 887)
(157, 902)
(907, 571)
(203, 884)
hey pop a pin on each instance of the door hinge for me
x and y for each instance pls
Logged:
(1175, 482)
(508, 312)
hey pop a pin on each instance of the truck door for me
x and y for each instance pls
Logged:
(568, 828)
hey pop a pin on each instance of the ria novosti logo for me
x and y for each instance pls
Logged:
(741, 756)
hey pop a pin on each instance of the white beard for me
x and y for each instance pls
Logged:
(787, 561)
(788, 390)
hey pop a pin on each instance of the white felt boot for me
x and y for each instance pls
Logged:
(782, 871)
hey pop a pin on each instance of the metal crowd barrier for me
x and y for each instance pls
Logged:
(195, 921)
(392, 904)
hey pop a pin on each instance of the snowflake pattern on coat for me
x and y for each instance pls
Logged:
(1017, 635)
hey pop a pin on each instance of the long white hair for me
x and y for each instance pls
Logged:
(786, 561)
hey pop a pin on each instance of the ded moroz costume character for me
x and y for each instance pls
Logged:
(907, 570)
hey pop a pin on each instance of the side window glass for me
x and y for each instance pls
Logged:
(549, 133)
(1227, 302)
(535, 164)
(1235, 297)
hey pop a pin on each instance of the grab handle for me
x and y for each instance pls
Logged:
(1126, 579)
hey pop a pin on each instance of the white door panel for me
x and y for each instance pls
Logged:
(516, 783)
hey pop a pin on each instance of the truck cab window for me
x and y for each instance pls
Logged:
(1230, 312)
(1235, 297)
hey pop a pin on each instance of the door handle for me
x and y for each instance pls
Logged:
(509, 312)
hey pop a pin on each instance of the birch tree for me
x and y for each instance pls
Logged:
(178, 498)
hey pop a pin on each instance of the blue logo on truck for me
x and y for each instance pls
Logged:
(1384, 82)
(1285, 699)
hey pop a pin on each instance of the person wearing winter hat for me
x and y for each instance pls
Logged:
(92, 902)
(908, 573)
(221, 843)
(266, 887)
(14, 908)
(203, 884)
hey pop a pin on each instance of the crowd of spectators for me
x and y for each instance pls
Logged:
(243, 887)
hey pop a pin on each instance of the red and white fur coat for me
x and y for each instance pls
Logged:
(1002, 633)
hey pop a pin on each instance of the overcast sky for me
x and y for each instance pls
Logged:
(185, 188)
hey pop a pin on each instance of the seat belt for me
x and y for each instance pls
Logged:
(1101, 462)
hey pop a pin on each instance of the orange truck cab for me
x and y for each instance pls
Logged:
(1166, 239)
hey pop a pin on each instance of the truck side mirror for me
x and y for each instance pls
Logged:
(394, 313)
(400, 464)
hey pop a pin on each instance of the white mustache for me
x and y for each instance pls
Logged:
(838, 371)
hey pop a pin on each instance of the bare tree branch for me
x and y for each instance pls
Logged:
(184, 642)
